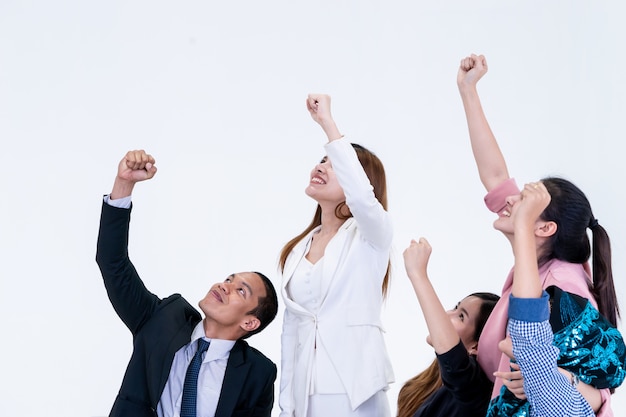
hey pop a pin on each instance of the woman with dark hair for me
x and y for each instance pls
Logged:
(560, 238)
(335, 273)
(550, 393)
(454, 384)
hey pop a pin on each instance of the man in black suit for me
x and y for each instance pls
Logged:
(234, 379)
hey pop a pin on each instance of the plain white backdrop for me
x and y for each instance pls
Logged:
(215, 91)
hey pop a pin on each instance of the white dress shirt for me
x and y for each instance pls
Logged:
(210, 378)
(305, 288)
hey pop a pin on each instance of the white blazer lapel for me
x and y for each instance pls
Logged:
(333, 254)
(294, 258)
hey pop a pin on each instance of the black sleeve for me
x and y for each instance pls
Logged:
(462, 375)
(130, 298)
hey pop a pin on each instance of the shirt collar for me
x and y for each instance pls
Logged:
(218, 349)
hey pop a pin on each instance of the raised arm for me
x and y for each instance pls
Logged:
(443, 335)
(534, 199)
(374, 221)
(489, 159)
(549, 392)
(318, 106)
(130, 298)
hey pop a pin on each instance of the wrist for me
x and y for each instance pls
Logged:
(468, 90)
(418, 276)
(523, 230)
(121, 188)
(331, 130)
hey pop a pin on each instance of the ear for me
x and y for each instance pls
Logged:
(545, 229)
(250, 323)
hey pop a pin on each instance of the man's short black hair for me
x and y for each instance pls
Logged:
(267, 308)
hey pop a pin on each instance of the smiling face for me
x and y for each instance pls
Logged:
(516, 204)
(323, 185)
(504, 223)
(227, 304)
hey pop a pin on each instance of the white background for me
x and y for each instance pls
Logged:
(215, 91)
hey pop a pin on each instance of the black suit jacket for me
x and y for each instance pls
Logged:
(162, 326)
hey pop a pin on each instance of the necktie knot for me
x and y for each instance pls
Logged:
(203, 345)
(190, 387)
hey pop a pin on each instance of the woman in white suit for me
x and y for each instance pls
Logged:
(334, 360)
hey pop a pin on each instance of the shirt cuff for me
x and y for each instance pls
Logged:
(496, 198)
(337, 143)
(123, 202)
(529, 309)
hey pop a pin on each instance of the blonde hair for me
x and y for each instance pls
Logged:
(418, 389)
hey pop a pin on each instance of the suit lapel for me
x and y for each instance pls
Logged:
(161, 355)
(236, 372)
(295, 257)
(333, 254)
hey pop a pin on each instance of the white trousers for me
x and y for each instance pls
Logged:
(338, 405)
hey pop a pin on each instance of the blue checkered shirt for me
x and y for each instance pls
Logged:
(549, 392)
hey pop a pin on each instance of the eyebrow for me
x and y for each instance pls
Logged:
(244, 283)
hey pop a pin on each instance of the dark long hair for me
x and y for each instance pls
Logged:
(418, 389)
(375, 172)
(569, 208)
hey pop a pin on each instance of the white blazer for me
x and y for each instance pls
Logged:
(348, 320)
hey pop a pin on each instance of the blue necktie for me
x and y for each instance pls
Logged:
(190, 388)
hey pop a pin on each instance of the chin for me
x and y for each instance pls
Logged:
(309, 192)
(503, 225)
(204, 305)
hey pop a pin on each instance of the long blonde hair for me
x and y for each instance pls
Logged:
(417, 390)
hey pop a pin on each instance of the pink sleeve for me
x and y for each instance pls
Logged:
(496, 198)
